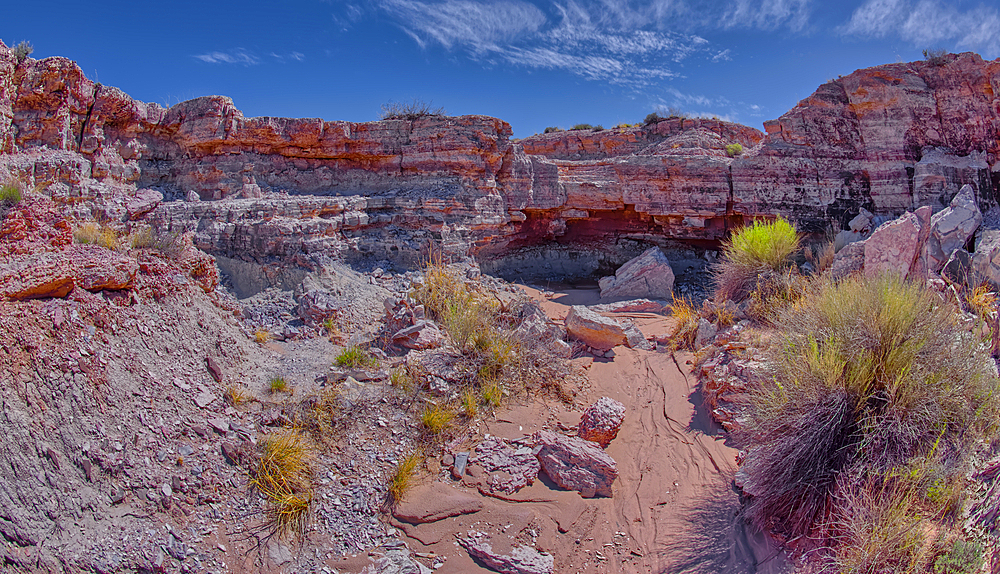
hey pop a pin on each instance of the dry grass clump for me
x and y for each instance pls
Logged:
(872, 378)
(278, 384)
(754, 258)
(402, 477)
(436, 419)
(686, 328)
(261, 335)
(283, 476)
(167, 244)
(236, 395)
(92, 233)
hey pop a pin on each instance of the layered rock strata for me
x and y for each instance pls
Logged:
(886, 139)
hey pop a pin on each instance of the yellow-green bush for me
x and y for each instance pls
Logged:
(754, 259)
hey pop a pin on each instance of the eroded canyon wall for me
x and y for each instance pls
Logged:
(887, 139)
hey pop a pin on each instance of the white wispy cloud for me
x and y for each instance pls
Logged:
(478, 25)
(236, 56)
(297, 56)
(767, 14)
(929, 24)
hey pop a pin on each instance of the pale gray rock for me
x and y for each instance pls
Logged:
(521, 560)
(594, 330)
(647, 276)
(952, 227)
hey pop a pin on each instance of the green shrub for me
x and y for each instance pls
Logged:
(22, 51)
(963, 558)
(578, 127)
(753, 259)
(653, 118)
(869, 377)
(10, 194)
(598, 128)
(277, 384)
(552, 130)
(408, 110)
(354, 356)
(734, 149)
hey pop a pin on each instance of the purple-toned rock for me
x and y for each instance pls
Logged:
(894, 248)
(952, 227)
(510, 469)
(576, 464)
(601, 421)
(647, 276)
(145, 200)
(594, 330)
(521, 560)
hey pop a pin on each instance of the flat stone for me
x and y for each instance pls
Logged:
(435, 501)
(596, 331)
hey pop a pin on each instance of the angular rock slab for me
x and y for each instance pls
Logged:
(952, 227)
(646, 276)
(435, 501)
(601, 421)
(594, 330)
(895, 247)
(521, 560)
(576, 464)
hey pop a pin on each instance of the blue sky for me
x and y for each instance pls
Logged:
(533, 63)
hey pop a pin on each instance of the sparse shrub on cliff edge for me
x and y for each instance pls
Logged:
(552, 130)
(935, 57)
(652, 118)
(753, 260)
(734, 149)
(22, 51)
(92, 233)
(408, 110)
(872, 377)
(579, 127)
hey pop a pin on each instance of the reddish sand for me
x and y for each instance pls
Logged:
(673, 506)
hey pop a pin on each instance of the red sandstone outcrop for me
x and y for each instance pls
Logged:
(886, 139)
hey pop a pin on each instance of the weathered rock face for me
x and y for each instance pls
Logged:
(886, 139)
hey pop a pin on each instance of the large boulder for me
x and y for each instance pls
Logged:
(647, 276)
(576, 464)
(896, 246)
(594, 330)
(601, 421)
(952, 227)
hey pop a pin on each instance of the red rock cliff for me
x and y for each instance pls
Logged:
(886, 138)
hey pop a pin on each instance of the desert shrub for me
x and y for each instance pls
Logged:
(283, 476)
(402, 477)
(236, 395)
(552, 130)
(962, 558)
(870, 377)
(879, 529)
(261, 335)
(168, 244)
(653, 118)
(10, 193)
(935, 57)
(92, 233)
(753, 259)
(470, 403)
(598, 128)
(578, 127)
(354, 356)
(22, 51)
(820, 255)
(408, 110)
(734, 149)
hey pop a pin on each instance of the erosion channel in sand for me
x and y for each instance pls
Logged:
(673, 507)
